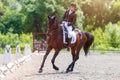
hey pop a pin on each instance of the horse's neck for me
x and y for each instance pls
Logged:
(56, 33)
(55, 38)
(59, 33)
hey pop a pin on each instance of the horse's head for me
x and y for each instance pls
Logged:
(52, 22)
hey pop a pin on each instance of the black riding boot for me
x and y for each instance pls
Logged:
(69, 44)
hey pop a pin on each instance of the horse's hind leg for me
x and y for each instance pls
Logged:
(75, 58)
(77, 55)
(71, 66)
(45, 56)
(73, 53)
(53, 60)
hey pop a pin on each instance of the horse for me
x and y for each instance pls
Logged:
(55, 41)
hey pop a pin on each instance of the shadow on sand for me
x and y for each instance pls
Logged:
(52, 73)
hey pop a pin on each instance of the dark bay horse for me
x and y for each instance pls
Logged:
(55, 41)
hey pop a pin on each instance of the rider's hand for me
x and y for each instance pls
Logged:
(73, 28)
(69, 24)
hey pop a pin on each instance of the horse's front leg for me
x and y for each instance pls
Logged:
(44, 58)
(53, 60)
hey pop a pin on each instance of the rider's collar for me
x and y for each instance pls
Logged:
(70, 12)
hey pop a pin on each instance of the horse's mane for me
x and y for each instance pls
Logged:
(57, 22)
(56, 30)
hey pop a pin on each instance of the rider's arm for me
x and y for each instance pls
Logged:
(73, 21)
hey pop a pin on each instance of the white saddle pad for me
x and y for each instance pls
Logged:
(73, 37)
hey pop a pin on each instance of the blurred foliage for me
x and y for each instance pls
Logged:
(19, 17)
(100, 12)
(15, 39)
(31, 15)
(109, 39)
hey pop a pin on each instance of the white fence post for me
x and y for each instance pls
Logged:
(27, 50)
(7, 55)
(18, 52)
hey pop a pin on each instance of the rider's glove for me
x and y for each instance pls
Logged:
(73, 28)
(69, 24)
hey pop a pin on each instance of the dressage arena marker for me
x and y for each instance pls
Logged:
(17, 63)
(4, 70)
(8, 66)
(11, 66)
(27, 58)
(1, 75)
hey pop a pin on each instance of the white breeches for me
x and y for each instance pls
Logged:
(69, 28)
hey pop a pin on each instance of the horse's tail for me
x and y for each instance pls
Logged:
(88, 43)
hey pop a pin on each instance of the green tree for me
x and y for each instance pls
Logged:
(115, 12)
(13, 22)
(99, 13)
(36, 12)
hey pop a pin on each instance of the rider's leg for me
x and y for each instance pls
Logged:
(69, 43)
(69, 37)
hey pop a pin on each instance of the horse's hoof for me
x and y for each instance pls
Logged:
(67, 71)
(56, 68)
(40, 71)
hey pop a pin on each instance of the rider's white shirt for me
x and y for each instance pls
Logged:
(70, 12)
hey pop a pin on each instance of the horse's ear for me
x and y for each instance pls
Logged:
(48, 17)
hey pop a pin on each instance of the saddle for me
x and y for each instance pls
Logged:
(65, 35)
